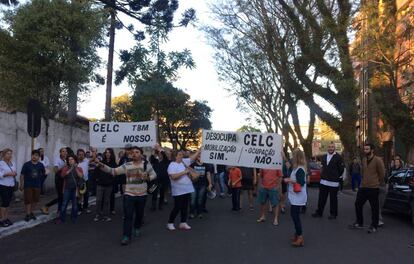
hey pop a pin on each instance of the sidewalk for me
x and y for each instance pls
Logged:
(17, 214)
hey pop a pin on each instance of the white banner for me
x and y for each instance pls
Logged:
(119, 135)
(246, 149)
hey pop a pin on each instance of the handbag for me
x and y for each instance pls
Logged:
(297, 187)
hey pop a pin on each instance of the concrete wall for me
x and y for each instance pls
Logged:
(13, 135)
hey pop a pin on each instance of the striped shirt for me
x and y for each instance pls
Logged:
(135, 174)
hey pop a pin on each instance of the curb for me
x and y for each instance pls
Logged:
(41, 219)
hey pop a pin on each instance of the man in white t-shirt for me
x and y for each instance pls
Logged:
(83, 163)
(46, 163)
(59, 163)
(332, 170)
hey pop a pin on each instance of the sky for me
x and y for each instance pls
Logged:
(200, 83)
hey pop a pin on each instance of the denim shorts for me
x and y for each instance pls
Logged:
(271, 195)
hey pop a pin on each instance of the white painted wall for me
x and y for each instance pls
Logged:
(13, 135)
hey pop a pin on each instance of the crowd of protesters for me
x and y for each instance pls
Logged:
(77, 176)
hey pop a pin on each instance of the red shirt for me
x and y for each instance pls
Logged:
(270, 178)
(234, 175)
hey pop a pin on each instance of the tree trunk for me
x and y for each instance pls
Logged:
(110, 65)
(72, 103)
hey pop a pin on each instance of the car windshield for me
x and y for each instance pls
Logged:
(402, 177)
(399, 174)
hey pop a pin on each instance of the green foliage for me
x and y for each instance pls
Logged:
(122, 109)
(247, 128)
(384, 37)
(146, 62)
(180, 120)
(9, 2)
(48, 48)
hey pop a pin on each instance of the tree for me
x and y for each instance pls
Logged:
(122, 109)
(248, 128)
(179, 120)
(147, 12)
(242, 61)
(382, 46)
(49, 53)
(9, 2)
(146, 63)
(306, 43)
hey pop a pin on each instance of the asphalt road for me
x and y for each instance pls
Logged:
(221, 237)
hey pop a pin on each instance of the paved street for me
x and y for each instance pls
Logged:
(222, 237)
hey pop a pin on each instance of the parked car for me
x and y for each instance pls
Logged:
(315, 173)
(400, 195)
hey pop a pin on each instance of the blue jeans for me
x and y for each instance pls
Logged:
(133, 204)
(221, 178)
(197, 199)
(356, 180)
(295, 214)
(69, 195)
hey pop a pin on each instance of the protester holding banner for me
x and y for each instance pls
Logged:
(249, 179)
(138, 173)
(201, 186)
(181, 187)
(297, 194)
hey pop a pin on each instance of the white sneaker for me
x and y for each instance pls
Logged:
(170, 227)
(185, 226)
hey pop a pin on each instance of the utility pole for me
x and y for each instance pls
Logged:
(110, 65)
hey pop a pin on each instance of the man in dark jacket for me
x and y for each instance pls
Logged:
(332, 170)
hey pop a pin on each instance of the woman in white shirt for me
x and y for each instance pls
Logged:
(7, 182)
(181, 188)
(297, 194)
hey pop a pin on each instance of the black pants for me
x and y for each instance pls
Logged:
(6, 195)
(112, 199)
(59, 193)
(235, 198)
(133, 204)
(181, 203)
(295, 214)
(324, 192)
(161, 189)
(364, 195)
